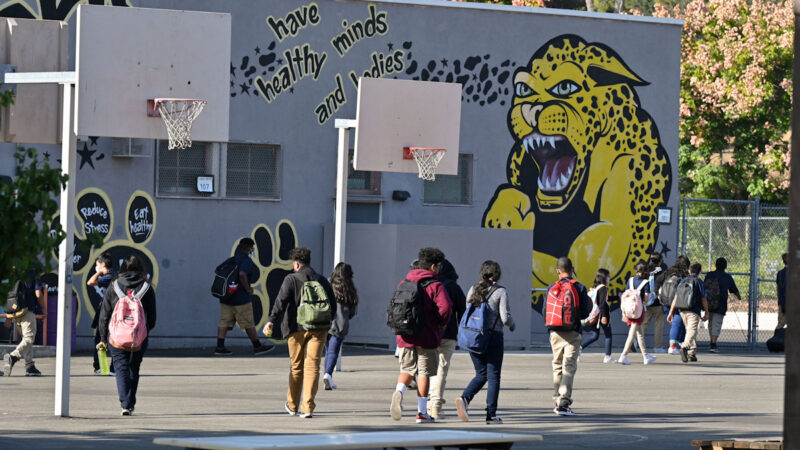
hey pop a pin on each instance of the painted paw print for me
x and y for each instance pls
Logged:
(271, 259)
(95, 215)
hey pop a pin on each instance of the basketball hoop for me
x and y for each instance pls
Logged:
(179, 115)
(427, 160)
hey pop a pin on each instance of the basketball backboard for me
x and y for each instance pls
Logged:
(127, 56)
(34, 46)
(393, 114)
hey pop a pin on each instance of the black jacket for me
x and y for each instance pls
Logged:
(126, 280)
(285, 307)
(448, 277)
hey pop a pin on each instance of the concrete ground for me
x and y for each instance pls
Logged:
(190, 393)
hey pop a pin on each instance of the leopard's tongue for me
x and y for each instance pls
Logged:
(557, 173)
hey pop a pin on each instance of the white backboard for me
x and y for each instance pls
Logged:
(393, 114)
(126, 56)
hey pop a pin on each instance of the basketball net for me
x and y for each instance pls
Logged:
(427, 161)
(179, 115)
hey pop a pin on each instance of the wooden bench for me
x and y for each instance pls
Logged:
(720, 444)
(379, 439)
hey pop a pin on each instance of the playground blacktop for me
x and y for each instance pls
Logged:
(188, 393)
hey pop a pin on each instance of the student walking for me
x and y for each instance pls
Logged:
(565, 338)
(131, 282)
(104, 272)
(591, 330)
(301, 304)
(666, 294)
(488, 364)
(29, 292)
(419, 354)
(654, 312)
(780, 282)
(346, 296)
(719, 285)
(449, 278)
(692, 315)
(641, 285)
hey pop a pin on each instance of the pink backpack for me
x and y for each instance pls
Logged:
(127, 328)
(631, 301)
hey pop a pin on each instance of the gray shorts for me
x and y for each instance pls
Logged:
(715, 323)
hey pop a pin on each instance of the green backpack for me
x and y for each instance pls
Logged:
(314, 311)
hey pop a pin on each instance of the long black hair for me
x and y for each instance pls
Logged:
(133, 264)
(600, 277)
(342, 284)
(489, 274)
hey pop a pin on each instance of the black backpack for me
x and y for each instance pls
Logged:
(17, 300)
(405, 314)
(713, 294)
(687, 293)
(667, 291)
(226, 279)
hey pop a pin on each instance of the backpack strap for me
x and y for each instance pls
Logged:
(489, 293)
(641, 285)
(142, 291)
(118, 290)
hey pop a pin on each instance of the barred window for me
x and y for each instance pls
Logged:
(252, 171)
(451, 189)
(178, 169)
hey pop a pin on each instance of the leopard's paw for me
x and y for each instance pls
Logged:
(510, 208)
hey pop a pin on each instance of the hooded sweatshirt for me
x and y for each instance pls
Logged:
(437, 308)
(449, 277)
(127, 281)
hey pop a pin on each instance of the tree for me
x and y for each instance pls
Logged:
(27, 205)
(735, 106)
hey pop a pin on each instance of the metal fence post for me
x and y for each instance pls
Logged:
(683, 226)
(755, 211)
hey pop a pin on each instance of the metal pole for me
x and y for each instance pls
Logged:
(340, 221)
(754, 261)
(684, 223)
(710, 243)
(65, 252)
(791, 398)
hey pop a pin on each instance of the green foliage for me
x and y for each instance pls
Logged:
(27, 205)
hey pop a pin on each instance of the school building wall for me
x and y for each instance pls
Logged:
(625, 70)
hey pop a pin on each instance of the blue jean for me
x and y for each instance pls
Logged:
(591, 334)
(677, 331)
(126, 369)
(487, 368)
(332, 352)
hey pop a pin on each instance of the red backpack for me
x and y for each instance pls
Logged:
(562, 307)
(127, 328)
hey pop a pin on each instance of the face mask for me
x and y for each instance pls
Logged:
(608, 280)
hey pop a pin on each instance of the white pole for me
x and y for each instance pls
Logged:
(65, 254)
(340, 220)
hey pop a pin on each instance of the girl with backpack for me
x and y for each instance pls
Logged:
(489, 363)
(128, 288)
(602, 319)
(640, 284)
(346, 306)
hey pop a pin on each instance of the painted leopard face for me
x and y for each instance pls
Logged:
(567, 101)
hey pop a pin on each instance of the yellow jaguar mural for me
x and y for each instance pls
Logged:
(587, 169)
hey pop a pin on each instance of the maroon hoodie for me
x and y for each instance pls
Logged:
(437, 310)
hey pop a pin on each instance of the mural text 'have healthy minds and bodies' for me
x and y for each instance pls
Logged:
(302, 61)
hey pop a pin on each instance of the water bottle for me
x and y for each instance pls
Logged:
(103, 359)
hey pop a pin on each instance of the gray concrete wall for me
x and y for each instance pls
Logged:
(380, 256)
(480, 46)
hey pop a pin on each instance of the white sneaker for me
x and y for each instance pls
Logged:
(327, 381)
(660, 350)
(396, 408)
(624, 360)
(674, 351)
(608, 359)
(463, 409)
(648, 359)
(580, 352)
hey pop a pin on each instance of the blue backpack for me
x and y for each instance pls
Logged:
(473, 331)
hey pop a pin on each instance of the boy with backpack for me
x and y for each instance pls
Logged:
(307, 304)
(20, 308)
(690, 300)
(104, 272)
(718, 285)
(567, 304)
(418, 313)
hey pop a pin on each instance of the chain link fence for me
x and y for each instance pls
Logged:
(751, 236)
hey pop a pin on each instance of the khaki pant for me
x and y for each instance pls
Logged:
(565, 345)
(635, 331)
(27, 326)
(305, 353)
(436, 392)
(690, 321)
(656, 314)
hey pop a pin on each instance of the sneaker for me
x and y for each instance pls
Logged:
(713, 348)
(97, 372)
(222, 351)
(305, 415)
(424, 418)
(126, 412)
(564, 411)
(396, 408)
(111, 373)
(692, 358)
(289, 410)
(32, 371)
(580, 352)
(660, 350)
(10, 360)
(623, 359)
(649, 359)
(435, 412)
(327, 380)
(493, 420)
(462, 406)
(262, 349)
(413, 385)
(608, 359)
(684, 355)
(674, 351)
